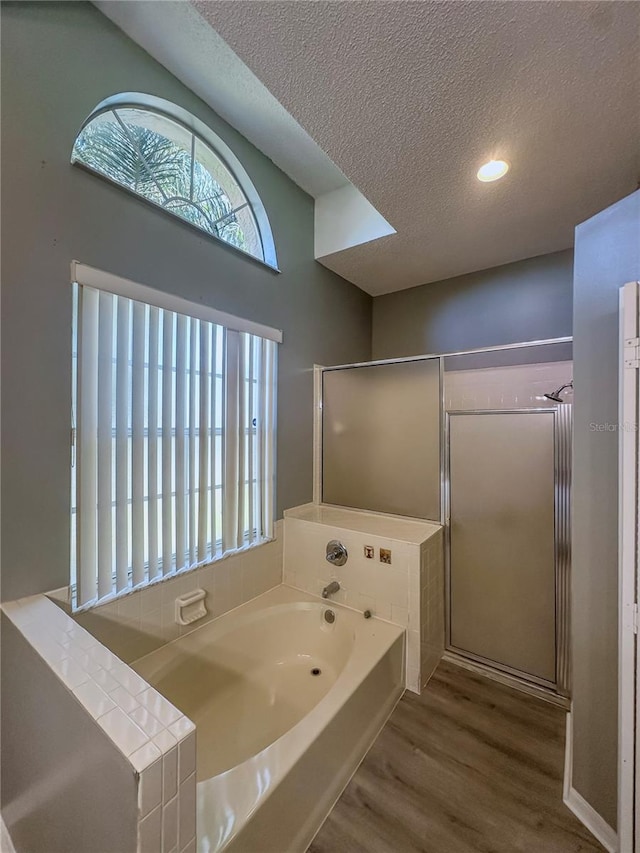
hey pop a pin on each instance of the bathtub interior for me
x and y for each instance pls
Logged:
(245, 685)
(275, 742)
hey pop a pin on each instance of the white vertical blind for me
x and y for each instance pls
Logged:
(260, 429)
(105, 443)
(251, 490)
(218, 445)
(231, 489)
(167, 439)
(122, 442)
(181, 382)
(153, 533)
(193, 414)
(205, 474)
(137, 443)
(87, 446)
(242, 430)
(268, 435)
(175, 442)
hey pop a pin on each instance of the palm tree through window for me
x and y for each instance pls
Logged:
(165, 163)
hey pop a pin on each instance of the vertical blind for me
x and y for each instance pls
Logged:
(174, 461)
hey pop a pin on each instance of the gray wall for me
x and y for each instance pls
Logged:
(58, 61)
(84, 789)
(607, 254)
(524, 301)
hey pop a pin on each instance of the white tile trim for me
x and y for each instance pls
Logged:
(574, 801)
(101, 682)
(112, 703)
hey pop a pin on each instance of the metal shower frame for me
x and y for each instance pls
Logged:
(562, 421)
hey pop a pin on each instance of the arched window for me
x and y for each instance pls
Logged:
(168, 157)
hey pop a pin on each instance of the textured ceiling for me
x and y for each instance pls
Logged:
(175, 34)
(408, 99)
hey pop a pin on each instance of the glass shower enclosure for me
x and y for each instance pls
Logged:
(381, 438)
(470, 440)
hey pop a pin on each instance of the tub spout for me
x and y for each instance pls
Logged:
(330, 589)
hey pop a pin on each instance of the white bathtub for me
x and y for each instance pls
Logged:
(285, 706)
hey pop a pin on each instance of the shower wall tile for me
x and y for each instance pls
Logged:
(186, 813)
(150, 787)
(518, 386)
(170, 826)
(150, 832)
(187, 757)
(170, 774)
(432, 594)
(391, 591)
(144, 620)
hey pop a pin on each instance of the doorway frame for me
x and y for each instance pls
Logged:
(628, 575)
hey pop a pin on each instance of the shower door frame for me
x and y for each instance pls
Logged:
(562, 415)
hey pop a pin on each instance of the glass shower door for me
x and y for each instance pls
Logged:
(502, 528)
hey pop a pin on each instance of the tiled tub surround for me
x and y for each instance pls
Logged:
(144, 620)
(277, 741)
(409, 591)
(156, 739)
(517, 386)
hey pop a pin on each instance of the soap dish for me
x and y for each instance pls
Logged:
(190, 607)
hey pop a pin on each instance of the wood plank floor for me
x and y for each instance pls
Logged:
(468, 766)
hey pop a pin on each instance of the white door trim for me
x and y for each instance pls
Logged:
(628, 569)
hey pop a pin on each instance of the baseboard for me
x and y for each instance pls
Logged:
(574, 801)
(588, 816)
(567, 784)
(6, 844)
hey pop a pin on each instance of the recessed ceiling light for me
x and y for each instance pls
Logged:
(493, 170)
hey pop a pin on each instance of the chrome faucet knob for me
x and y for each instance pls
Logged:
(336, 553)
